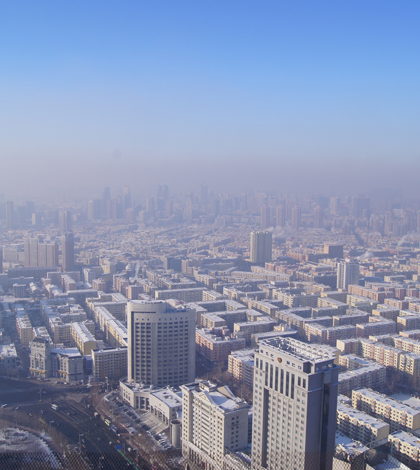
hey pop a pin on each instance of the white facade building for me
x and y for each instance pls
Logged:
(161, 343)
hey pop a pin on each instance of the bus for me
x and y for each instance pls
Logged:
(107, 422)
(54, 406)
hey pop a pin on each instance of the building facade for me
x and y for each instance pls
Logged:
(161, 343)
(295, 401)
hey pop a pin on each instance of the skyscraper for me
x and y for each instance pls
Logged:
(9, 215)
(30, 247)
(318, 217)
(296, 217)
(348, 272)
(261, 247)
(67, 251)
(47, 254)
(161, 343)
(1, 259)
(295, 401)
(265, 217)
(280, 216)
(64, 221)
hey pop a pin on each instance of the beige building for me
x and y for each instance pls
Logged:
(217, 343)
(109, 362)
(186, 295)
(241, 366)
(405, 448)
(360, 426)
(82, 338)
(214, 421)
(24, 329)
(398, 415)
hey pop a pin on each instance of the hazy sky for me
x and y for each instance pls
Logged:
(321, 95)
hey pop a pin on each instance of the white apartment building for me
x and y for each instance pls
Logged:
(214, 421)
(295, 400)
(161, 343)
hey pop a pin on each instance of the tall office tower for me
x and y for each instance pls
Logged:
(67, 252)
(261, 247)
(1, 259)
(9, 215)
(335, 205)
(296, 217)
(265, 217)
(64, 221)
(280, 216)
(48, 254)
(204, 194)
(161, 343)
(30, 247)
(94, 210)
(295, 402)
(347, 273)
(213, 420)
(318, 217)
(165, 192)
(418, 222)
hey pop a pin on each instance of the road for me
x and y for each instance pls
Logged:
(73, 419)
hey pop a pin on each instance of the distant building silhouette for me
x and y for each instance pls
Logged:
(67, 250)
(261, 247)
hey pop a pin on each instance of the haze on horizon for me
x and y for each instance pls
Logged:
(316, 96)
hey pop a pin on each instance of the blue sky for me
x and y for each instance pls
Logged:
(217, 91)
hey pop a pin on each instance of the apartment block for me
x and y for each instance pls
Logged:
(405, 448)
(241, 366)
(217, 343)
(109, 362)
(360, 426)
(398, 415)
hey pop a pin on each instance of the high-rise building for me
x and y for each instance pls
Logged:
(1, 259)
(296, 217)
(48, 254)
(64, 221)
(295, 403)
(335, 205)
(261, 247)
(161, 343)
(9, 215)
(347, 273)
(30, 247)
(265, 217)
(213, 420)
(280, 216)
(67, 251)
(318, 217)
